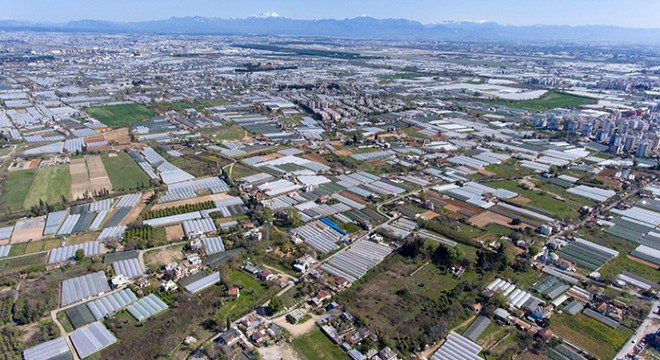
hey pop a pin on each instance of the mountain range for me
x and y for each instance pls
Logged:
(359, 27)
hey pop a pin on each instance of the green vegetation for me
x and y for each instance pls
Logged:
(182, 105)
(316, 346)
(592, 335)
(232, 132)
(403, 75)
(414, 133)
(13, 264)
(508, 169)
(124, 173)
(238, 170)
(541, 201)
(51, 185)
(551, 100)
(15, 189)
(118, 116)
(145, 237)
(179, 210)
(253, 294)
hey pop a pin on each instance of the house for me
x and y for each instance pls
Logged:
(195, 244)
(119, 281)
(304, 263)
(194, 259)
(142, 283)
(340, 282)
(320, 297)
(259, 337)
(169, 285)
(233, 293)
(229, 337)
(251, 269)
(545, 334)
(387, 354)
(295, 316)
(356, 355)
(274, 331)
(250, 322)
(501, 314)
(476, 307)
(266, 275)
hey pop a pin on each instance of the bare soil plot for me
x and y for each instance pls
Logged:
(430, 214)
(174, 232)
(158, 258)
(119, 136)
(88, 175)
(195, 200)
(28, 229)
(297, 330)
(353, 196)
(520, 200)
(644, 262)
(280, 351)
(452, 207)
(344, 152)
(486, 172)
(487, 217)
(272, 156)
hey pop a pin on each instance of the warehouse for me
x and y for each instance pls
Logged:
(68, 225)
(318, 235)
(593, 193)
(128, 201)
(477, 328)
(147, 307)
(587, 254)
(53, 221)
(83, 287)
(91, 339)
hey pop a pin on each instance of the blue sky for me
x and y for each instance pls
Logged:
(627, 13)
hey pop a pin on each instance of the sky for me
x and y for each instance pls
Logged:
(625, 13)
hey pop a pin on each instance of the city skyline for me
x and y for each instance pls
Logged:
(509, 12)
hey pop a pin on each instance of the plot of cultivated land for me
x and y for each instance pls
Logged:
(487, 217)
(195, 200)
(28, 229)
(520, 200)
(232, 132)
(238, 170)
(174, 232)
(50, 185)
(590, 334)
(123, 172)
(88, 176)
(118, 116)
(344, 152)
(280, 351)
(549, 101)
(15, 189)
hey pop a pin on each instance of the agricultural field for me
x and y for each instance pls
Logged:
(123, 172)
(15, 189)
(549, 101)
(316, 346)
(88, 176)
(50, 185)
(155, 259)
(590, 334)
(508, 169)
(182, 105)
(118, 116)
(238, 170)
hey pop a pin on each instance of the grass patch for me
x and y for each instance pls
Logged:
(253, 294)
(239, 170)
(182, 105)
(15, 189)
(118, 116)
(413, 132)
(124, 173)
(551, 100)
(38, 246)
(316, 346)
(508, 169)
(13, 264)
(590, 334)
(50, 185)
(402, 75)
(228, 132)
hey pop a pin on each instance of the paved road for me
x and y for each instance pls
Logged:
(646, 328)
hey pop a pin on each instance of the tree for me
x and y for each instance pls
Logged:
(80, 254)
(533, 250)
(275, 305)
(516, 221)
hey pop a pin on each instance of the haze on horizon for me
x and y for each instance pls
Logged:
(631, 13)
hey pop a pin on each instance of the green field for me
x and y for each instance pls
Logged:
(230, 132)
(590, 334)
(549, 101)
(50, 185)
(542, 201)
(239, 170)
(182, 105)
(253, 294)
(118, 116)
(403, 75)
(15, 189)
(508, 169)
(316, 346)
(124, 173)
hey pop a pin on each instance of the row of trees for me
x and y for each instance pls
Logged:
(176, 210)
